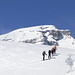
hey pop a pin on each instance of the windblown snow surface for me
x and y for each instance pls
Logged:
(26, 59)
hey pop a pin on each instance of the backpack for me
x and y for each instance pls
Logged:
(43, 53)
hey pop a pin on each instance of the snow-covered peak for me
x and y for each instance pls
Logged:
(47, 27)
(39, 28)
(43, 34)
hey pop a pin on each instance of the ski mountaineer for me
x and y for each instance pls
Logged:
(53, 50)
(49, 54)
(44, 53)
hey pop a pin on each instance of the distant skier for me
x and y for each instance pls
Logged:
(49, 54)
(44, 53)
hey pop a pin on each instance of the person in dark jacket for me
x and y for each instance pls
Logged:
(44, 53)
(54, 49)
(49, 54)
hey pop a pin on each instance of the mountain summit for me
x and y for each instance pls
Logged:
(44, 34)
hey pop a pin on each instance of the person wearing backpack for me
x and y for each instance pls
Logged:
(49, 54)
(53, 50)
(44, 53)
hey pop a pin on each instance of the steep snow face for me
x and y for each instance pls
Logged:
(45, 34)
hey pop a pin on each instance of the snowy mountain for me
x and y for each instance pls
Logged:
(26, 59)
(44, 34)
(21, 52)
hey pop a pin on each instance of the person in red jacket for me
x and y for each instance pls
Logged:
(53, 50)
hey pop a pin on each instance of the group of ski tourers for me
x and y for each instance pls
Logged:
(50, 52)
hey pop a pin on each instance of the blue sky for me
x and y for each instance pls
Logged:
(15, 14)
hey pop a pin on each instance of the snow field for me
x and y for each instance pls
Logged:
(26, 59)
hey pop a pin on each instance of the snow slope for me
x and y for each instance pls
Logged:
(26, 59)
